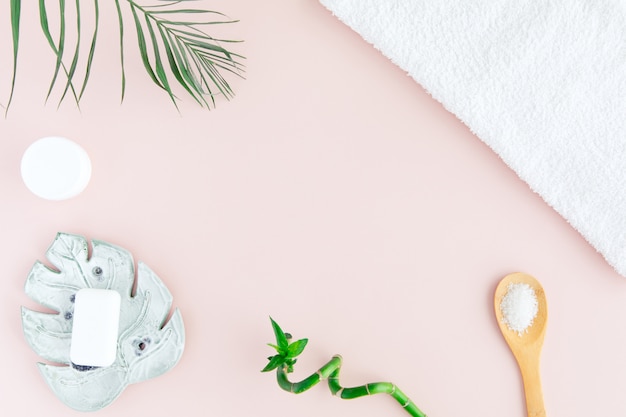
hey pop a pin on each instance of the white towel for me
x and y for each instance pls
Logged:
(542, 82)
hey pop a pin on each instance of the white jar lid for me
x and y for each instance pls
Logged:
(55, 168)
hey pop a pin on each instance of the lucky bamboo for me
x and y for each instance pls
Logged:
(285, 359)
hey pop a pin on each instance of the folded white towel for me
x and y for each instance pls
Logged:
(543, 83)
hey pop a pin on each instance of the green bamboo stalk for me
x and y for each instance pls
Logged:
(285, 359)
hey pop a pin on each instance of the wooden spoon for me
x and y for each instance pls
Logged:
(526, 347)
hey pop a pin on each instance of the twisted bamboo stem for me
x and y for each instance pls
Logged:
(330, 371)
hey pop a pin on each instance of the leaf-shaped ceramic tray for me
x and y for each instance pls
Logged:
(146, 346)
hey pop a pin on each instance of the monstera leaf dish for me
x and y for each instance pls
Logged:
(146, 345)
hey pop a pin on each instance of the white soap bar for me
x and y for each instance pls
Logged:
(95, 327)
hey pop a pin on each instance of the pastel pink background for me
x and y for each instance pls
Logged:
(334, 195)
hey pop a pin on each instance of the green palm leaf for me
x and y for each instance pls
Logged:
(121, 26)
(72, 69)
(196, 60)
(174, 48)
(143, 48)
(92, 48)
(60, 47)
(16, 7)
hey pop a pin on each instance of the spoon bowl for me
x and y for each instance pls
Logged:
(526, 346)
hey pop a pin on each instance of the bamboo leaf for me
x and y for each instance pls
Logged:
(281, 339)
(296, 348)
(16, 7)
(275, 362)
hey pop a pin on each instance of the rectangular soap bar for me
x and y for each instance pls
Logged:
(95, 327)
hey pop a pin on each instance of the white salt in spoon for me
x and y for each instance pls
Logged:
(525, 345)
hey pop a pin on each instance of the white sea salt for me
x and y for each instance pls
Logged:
(519, 307)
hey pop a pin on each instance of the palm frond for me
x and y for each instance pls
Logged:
(72, 69)
(92, 47)
(57, 48)
(196, 60)
(176, 51)
(121, 26)
(16, 7)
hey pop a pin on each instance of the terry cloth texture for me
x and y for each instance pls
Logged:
(541, 82)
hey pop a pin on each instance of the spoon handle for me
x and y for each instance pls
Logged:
(532, 389)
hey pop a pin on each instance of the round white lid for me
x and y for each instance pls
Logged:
(55, 168)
